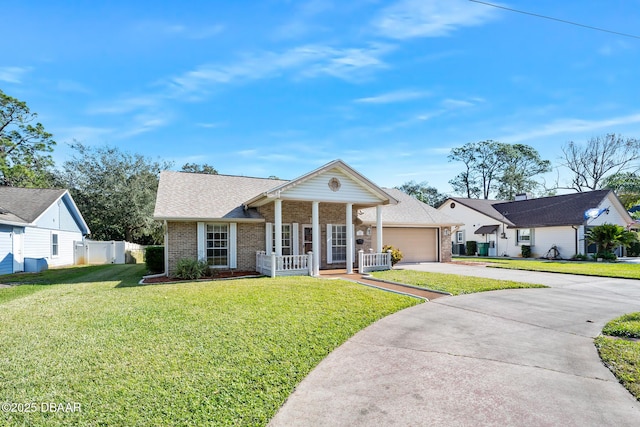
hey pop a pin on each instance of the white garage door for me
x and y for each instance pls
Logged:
(416, 244)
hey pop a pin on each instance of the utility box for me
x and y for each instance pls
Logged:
(35, 265)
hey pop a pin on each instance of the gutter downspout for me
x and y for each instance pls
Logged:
(575, 229)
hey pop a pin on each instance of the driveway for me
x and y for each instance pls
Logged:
(521, 357)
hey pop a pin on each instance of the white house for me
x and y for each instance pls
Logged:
(38, 229)
(540, 223)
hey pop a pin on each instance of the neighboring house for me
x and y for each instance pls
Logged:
(38, 228)
(334, 212)
(538, 222)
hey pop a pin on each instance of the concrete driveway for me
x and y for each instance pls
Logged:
(504, 358)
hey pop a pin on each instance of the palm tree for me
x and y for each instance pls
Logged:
(608, 236)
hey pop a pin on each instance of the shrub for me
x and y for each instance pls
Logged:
(607, 256)
(580, 257)
(154, 258)
(189, 269)
(396, 255)
(525, 250)
(634, 249)
(472, 247)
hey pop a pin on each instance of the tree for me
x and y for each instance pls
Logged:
(24, 146)
(521, 164)
(600, 157)
(493, 167)
(116, 192)
(608, 236)
(196, 168)
(626, 185)
(423, 192)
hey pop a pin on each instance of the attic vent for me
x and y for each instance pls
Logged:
(522, 196)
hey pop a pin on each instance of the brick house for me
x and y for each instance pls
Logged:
(330, 218)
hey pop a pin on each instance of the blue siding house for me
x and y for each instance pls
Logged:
(38, 229)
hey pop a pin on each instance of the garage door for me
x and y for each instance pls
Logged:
(416, 244)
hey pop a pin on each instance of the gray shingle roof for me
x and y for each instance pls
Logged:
(192, 196)
(25, 205)
(408, 211)
(567, 209)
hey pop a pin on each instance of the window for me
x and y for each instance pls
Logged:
(339, 243)
(524, 236)
(459, 236)
(286, 239)
(54, 245)
(217, 245)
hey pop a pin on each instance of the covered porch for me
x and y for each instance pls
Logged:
(274, 265)
(312, 224)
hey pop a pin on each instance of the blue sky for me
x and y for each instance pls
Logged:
(279, 87)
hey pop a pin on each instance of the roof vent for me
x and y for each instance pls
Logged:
(522, 196)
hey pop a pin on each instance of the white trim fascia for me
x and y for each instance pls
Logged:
(65, 193)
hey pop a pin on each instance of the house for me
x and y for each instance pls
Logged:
(38, 229)
(540, 223)
(330, 218)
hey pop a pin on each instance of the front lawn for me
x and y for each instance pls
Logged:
(451, 283)
(603, 269)
(619, 349)
(197, 353)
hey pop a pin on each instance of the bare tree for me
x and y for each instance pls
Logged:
(602, 156)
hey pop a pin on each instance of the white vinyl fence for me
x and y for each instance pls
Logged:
(111, 252)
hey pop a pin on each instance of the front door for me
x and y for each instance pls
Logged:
(18, 248)
(307, 238)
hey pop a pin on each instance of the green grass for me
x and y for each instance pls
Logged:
(29, 283)
(602, 269)
(451, 283)
(196, 353)
(622, 356)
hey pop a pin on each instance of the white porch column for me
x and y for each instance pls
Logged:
(379, 229)
(349, 222)
(315, 236)
(278, 226)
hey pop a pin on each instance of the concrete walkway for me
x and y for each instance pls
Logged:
(522, 357)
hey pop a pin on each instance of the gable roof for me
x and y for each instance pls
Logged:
(565, 209)
(408, 211)
(194, 196)
(23, 206)
(484, 206)
(361, 181)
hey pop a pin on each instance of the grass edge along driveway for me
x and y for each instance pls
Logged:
(451, 283)
(196, 353)
(586, 268)
(619, 349)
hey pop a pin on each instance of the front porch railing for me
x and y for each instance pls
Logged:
(373, 261)
(284, 265)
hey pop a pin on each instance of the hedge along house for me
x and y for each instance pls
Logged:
(39, 228)
(274, 226)
(540, 223)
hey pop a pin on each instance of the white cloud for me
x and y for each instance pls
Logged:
(571, 126)
(302, 62)
(13, 74)
(430, 18)
(395, 96)
(126, 105)
(152, 29)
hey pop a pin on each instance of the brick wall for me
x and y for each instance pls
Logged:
(183, 242)
(445, 245)
(251, 237)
